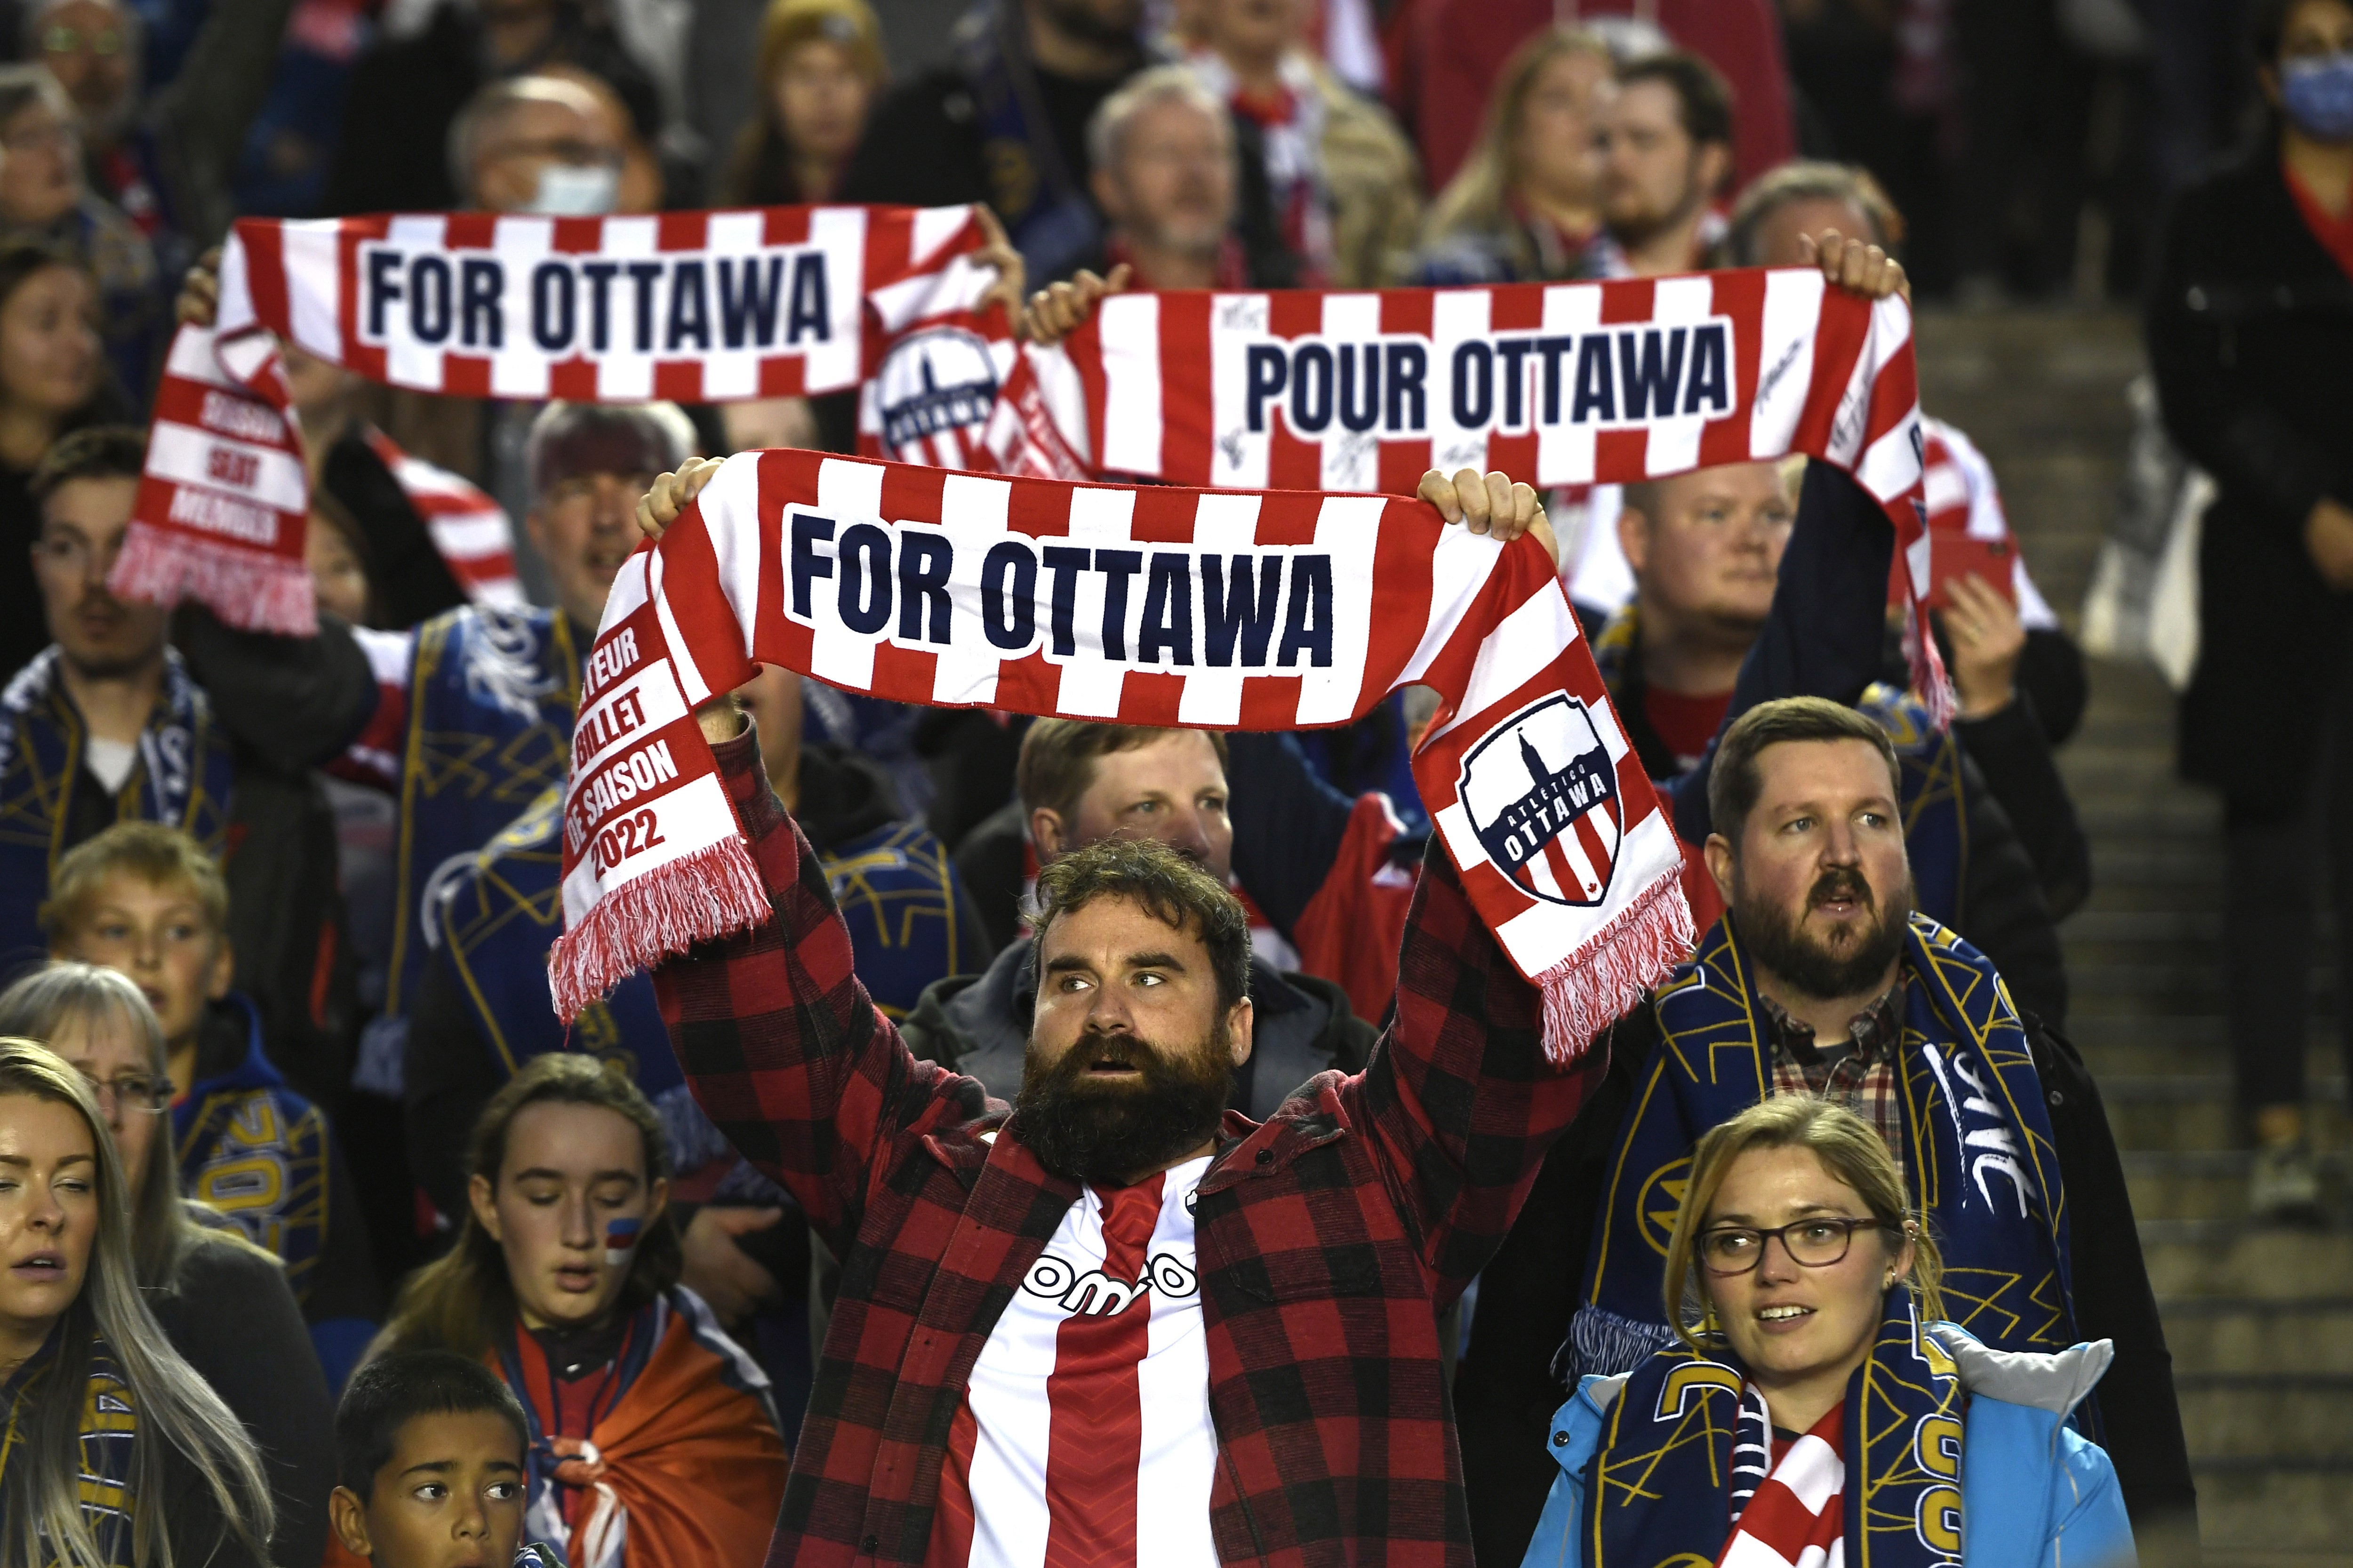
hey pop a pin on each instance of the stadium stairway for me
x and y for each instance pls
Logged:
(2259, 1319)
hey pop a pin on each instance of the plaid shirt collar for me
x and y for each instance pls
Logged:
(1874, 1033)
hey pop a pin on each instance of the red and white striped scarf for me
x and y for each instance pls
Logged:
(1140, 604)
(1797, 1517)
(690, 306)
(471, 532)
(1559, 385)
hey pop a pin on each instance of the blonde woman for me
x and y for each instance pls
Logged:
(1526, 203)
(222, 1302)
(114, 1453)
(1813, 1370)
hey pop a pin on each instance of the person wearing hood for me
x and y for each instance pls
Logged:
(1813, 1406)
(147, 899)
(1080, 783)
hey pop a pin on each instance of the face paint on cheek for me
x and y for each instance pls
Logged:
(620, 1242)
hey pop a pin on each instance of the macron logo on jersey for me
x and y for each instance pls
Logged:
(1095, 1294)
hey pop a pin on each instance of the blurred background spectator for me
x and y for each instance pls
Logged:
(820, 66)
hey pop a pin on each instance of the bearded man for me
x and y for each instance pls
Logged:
(1120, 1324)
(1822, 978)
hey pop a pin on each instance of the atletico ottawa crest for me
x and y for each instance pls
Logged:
(1542, 794)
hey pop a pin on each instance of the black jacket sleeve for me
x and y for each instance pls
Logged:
(1288, 823)
(2002, 911)
(234, 1319)
(449, 1077)
(2140, 1417)
(2213, 409)
(343, 1285)
(2011, 751)
(292, 703)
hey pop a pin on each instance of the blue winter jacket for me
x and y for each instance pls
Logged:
(2017, 1448)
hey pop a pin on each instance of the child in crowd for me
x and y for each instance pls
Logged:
(430, 1448)
(653, 1441)
(145, 899)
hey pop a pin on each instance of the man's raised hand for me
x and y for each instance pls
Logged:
(1850, 264)
(1491, 504)
(660, 507)
(1061, 309)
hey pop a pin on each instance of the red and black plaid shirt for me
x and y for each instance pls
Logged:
(1329, 1237)
(1861, 1077)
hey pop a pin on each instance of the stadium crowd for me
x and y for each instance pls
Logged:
(328, 1240)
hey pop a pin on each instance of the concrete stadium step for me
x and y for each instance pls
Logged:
(2288, 1420)
(2268, 1516)
(2234, 1260)
(2210, 1184)
(2214, 1334)
(2168, 1115)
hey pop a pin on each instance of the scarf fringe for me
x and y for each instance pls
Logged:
(1608, 975)
(714, 892)
(1929, 677)
(249, 589)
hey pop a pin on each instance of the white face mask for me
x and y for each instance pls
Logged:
(576, 189)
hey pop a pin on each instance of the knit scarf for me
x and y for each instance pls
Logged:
(1146, 605)
(697, 307)
(109, 1434)
(1683, 1473)
(1559, 385)
(489, 716)
(470, 531)
(1977, 1148)
(682, 1466)
(183, 777)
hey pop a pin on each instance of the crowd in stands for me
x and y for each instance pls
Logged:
(328, 1241)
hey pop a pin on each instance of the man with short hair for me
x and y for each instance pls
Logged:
(1117, 1318)
(1082, 784)
(205, 728)
(1165, 176)
(1665, 140)
(537, 144)
(1822, 978)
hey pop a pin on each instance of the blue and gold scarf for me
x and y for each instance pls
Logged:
(490, 730)
(1687, 1442)
(108, 1435)
(183, 777)
(1976, 1151)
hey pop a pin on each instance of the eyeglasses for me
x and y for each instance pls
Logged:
(146, 1093)
(1729, 1250)
(64, 41)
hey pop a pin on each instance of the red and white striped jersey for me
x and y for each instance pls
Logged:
(1084, 1440)
(1797, 1517)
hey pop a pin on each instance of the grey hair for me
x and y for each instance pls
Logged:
(179, 1415)
(1107, 132)
(494, 104)
(42, 1003)
(22, 86)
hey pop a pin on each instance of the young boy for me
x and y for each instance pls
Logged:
(430, 1449)
(147, 899)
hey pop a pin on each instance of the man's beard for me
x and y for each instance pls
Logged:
(1780, 942)
(1637, 228)
(1105, 1133)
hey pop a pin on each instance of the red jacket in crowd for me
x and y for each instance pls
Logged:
(1446, 53)
(1328, 1237)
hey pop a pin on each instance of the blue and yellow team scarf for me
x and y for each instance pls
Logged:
(109, 1433)
(1687, 1442)
(183, 778)
(490, 730)
(896, 885)
(1977, 1148)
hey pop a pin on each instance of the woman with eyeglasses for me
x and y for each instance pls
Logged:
(1817, 1408)
(114, 1451)
(223, 1303)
